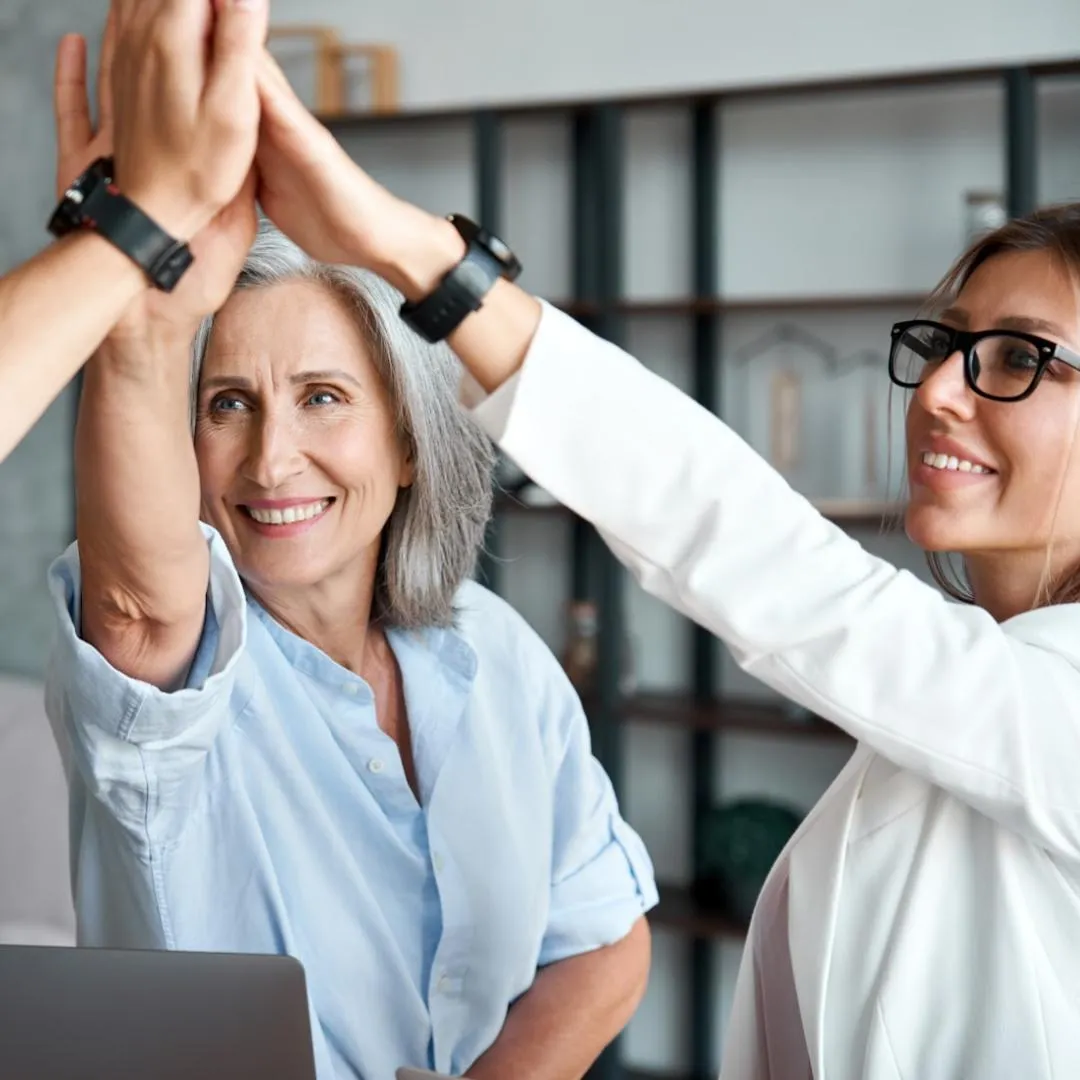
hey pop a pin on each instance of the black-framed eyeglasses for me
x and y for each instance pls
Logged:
(1002, 365)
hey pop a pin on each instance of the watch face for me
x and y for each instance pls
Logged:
(84, 184)
(496, 248)
(474, 276)
(499, 249)
(69, 214)
(96, 173)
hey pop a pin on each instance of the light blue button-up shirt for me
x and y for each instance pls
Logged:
(261, 809)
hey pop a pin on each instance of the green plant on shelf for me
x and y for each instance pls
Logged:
(737, 844)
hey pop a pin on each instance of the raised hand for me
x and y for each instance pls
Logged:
(186, 105)
(308, 185)
(316, 194)
(207, 166)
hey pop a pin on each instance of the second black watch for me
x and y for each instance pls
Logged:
(93, 202)
(463, 288)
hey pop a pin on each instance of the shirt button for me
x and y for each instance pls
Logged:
(375, 765)
(437, 862)
(443, 984)
(350, 688)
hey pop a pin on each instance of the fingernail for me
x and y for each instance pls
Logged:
(248, 5)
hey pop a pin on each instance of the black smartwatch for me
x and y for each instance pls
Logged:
(93, 202)
(463, 289)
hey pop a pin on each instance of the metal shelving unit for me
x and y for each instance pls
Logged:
(598, 187)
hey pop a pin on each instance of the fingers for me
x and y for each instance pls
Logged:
(105, 72)
(280, 105)
(270, 76)
(239, 34)
(187, 104)
(70, 101)
(123, 11)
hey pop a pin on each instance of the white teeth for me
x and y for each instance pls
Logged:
(952, 464)
(289, 515)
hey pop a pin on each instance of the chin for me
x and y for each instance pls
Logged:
(929, 528)
(282, 574)
(934, 528)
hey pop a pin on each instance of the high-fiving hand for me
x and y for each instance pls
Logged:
(316, 194)
(179, 111)
(185, 105)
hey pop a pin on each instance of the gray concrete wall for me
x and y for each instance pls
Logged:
(35, 482)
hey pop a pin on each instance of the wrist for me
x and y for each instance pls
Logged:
(425, 249)
(169, 214)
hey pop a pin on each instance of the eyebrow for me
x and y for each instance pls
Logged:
(1010, 322)
(1032, 326)
(956, 315)
(329, 375)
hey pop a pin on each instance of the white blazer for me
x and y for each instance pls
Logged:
(934, 891)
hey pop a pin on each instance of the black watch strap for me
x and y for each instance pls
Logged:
(93, 202)
(463, 289)
(459, 293)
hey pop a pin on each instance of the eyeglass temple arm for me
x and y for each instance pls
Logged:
(1067, 356)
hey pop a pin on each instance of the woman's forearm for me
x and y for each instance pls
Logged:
(54, 312)
(575, 1008)
(145, 562)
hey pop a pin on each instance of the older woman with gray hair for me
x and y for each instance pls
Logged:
(293, 725)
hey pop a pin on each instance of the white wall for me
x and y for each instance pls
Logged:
(506, 50)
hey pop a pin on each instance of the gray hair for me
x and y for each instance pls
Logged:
(436, 529)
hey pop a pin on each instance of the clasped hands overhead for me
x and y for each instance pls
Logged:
(203, 128)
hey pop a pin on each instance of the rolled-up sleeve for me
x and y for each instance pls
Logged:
(602, 877)
(139, 749)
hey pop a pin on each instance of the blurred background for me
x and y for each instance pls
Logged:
(746, 197)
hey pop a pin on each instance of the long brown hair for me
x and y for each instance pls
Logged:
(1055, 230)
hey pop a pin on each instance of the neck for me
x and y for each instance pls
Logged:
(1010, 583)
(334, 616)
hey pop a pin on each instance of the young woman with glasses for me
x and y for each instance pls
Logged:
(923, 922)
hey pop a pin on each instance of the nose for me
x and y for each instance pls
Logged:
(275, 452)
(945, 390)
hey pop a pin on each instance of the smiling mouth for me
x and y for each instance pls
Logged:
(946, 463)
(288, 515)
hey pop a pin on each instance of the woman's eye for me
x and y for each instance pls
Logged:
(1021, 359)
(939, 346)
(227, 403)
(323, 397)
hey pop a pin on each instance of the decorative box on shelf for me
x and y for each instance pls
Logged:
(375, 68)
(336, 66)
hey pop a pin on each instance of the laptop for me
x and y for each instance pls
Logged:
(105, 1014)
